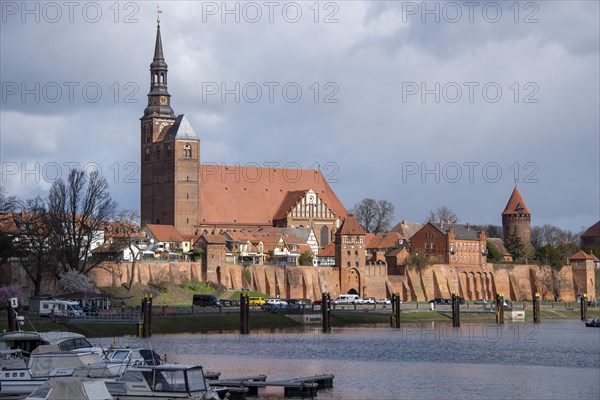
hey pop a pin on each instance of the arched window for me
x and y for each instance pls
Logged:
(324, 236)
(187, 151)
(147, 154)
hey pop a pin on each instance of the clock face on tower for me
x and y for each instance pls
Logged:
(163, 100)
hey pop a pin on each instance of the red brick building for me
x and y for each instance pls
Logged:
(517, 218)
(176, 189)
(453, 244)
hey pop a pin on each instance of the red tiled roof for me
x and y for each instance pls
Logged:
(582, 255)
(516, 204)
(592, 231)
(327, 251)
(214, 239)
(241, 236)
(407, 229)
(350, 226)
(384, 240)
(254, 196)
(164, 233)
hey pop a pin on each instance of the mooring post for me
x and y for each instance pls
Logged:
(500, 309)
(397, 310)
(583, 306)
(393, 316)
(149, 314)
(455, 310)
(12, 319)
(244, 311)
(326, 312)
(536, 308)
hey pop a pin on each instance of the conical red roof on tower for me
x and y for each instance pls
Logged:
(516, 204)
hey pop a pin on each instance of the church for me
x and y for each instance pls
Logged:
(177, 189)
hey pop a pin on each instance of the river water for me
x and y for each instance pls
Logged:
(554, 360)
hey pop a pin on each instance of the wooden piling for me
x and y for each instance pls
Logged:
(536, 308)
(584, 307)
(455, 310)
(244, 314)
(12, 318)
(396, 310)
(500, 309)
(326, 312)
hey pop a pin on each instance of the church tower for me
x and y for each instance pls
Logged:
(350, 255)
(516, 217)
(170, 156)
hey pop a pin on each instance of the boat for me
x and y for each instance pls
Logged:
(18, 379)
(71, 388)
(594, 323)
(28, 341)
(167, 381)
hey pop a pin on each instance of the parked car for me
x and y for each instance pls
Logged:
(91, 310)
(206, 300)
(368, 300)
(348, 299)
(225, 303)
(384, 301)
(439, 300)
(481, 301)
(275, 306)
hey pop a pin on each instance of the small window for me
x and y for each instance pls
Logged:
(187, 151)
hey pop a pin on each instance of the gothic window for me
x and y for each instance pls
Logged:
(355, 252)
(324, 236)
(187, 151)
(349, 252)
(158, 153)
(168, 151)
(357, 263)
(147, 154)
(349, 263)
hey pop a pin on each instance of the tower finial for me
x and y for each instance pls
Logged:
(158, 12)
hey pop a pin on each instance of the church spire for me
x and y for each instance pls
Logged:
(159, 99)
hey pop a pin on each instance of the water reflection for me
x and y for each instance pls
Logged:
(557, 359)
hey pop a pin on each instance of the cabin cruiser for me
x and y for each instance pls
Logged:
(169, 381)
(71, 388)
(28, 341)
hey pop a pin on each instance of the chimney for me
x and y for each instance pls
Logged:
(468, 226)
(441, 224)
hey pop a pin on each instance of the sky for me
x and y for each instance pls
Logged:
(424, 104)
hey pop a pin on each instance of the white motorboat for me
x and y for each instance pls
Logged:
(17, 381)
(71, 388)
(28, 341)
(170, 381)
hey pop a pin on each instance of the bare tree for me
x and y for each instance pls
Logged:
(442, 214)
(77, 211)
(7, 207)
(126, 235)
(374, 216)
(552, 281)
(34, 241)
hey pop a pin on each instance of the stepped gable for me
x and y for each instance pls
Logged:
(253, 196)
(350, 226)
(516, 204)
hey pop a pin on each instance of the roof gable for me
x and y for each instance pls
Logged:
(182, 130)
(164, 233)
(350, 226)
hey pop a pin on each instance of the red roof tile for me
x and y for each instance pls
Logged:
(592, 231)
(254, 196)
(384, 240)
(164, 233)
(350, 226)
(582, 255)
(327, 251)
(516, 204)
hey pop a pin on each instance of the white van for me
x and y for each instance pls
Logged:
(60, 308)
(348, 299)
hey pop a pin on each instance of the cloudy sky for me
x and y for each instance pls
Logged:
(422, 104)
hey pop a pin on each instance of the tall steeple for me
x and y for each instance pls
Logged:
(159, 99)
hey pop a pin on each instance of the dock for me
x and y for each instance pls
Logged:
(306, 387)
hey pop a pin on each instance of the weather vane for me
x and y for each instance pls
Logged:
(158, 12)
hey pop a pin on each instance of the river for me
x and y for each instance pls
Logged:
(557, 359)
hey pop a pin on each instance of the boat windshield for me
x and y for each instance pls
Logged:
(196, 380)
(169, 381)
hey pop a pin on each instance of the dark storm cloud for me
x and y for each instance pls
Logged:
(366, 61)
